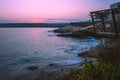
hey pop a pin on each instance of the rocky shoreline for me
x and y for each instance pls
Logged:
(50, 72)
(74, 31)
(53, 71)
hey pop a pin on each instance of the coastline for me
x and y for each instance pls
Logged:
(51, 72)
(55, 72)
(23, 71)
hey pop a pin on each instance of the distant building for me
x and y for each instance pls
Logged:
(115, 5)
(109, 16)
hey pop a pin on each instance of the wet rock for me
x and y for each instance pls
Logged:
(62, 30)
(62, 69)
(51, 65)
(50, 30)
(83, 54)
(75, 33)
(31, 68)
(64, 35)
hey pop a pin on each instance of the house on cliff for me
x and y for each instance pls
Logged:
(108, 20)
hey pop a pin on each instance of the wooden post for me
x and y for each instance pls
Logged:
(93, 22)
(103, 21)
(114, 22)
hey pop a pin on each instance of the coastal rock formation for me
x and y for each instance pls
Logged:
(76, 33)
(51, 65)
(73, 30)
(31, 68)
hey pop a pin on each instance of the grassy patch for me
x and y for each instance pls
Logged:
(95, 71)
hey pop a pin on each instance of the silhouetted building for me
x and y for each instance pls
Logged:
(108, 20)
(115, 5)
(108, 16)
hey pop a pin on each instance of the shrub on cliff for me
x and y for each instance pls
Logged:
(95, 71)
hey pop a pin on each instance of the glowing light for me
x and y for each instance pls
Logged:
(36, 21)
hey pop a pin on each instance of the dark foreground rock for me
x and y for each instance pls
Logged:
(52, 64)
(78, 33)
(31, 68)
(62, 30)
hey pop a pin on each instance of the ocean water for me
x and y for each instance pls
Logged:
(21, 47)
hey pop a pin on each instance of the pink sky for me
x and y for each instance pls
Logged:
(49, 10)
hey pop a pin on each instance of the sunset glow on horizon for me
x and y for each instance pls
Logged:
(39, 11)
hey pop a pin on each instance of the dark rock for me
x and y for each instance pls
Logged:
(31, 68)
(77, 33)
(81, 64)
(64, 35)
(62, 69)
(86, 53)
(50, 30)
(51, 65)
(61, 30)
(80, 33)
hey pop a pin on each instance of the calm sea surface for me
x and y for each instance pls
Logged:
(21, 47)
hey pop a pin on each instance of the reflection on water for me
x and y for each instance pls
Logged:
(20, 47)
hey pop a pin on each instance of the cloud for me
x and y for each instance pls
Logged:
(62, 20)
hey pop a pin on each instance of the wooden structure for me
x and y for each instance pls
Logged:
(109, 17)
